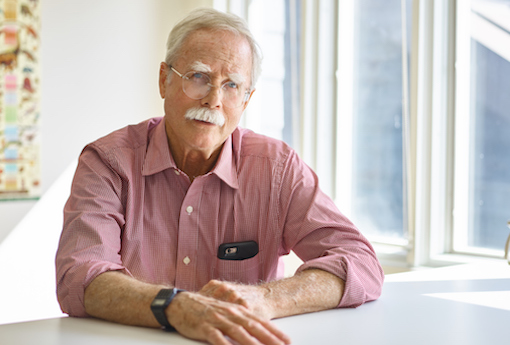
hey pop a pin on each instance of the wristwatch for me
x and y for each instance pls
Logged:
(160, 303)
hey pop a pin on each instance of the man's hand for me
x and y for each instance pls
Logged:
(201, 317)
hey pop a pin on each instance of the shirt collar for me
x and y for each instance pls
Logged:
(159, 157)
(226, 166)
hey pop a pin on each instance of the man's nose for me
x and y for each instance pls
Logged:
(213, 98)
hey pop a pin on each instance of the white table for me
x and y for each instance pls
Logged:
(467, 304)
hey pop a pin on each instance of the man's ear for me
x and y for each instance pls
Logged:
(163, 73)
(248, 101)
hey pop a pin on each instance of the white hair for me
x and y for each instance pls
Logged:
(208, 18)
(207, 115)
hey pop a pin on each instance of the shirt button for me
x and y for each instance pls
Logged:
(186, 260)
(189, 209)
(177, 172)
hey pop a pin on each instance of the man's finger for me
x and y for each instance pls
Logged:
(266, 335)
(264, 331)
(264, 328)
(215, 337)
(278, 333)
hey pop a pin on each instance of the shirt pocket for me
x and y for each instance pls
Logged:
(239, 271)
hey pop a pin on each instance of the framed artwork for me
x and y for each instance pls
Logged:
(19, 99)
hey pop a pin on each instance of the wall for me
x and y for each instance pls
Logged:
(100, 62)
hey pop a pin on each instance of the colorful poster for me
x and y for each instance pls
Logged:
(19, 99)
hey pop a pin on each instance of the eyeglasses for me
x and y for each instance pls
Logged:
(197, 85)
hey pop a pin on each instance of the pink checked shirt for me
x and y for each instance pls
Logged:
(132, 209)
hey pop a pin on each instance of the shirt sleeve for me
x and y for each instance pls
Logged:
(90, 243)
(324, 238)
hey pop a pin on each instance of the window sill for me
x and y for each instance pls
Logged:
(394, 259)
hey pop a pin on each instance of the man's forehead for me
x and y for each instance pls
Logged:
(217, 47)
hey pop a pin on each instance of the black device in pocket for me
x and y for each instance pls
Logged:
(238, 250)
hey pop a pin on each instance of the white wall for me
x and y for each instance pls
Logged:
(99, 66)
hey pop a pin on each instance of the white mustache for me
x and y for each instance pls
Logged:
(207, 115)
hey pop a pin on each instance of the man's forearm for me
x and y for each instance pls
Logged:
(308, 291)
(117, 297)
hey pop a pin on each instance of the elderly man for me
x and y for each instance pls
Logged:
(182, 221)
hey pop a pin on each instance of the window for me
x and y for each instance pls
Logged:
(442, 187)
(403, 110)
(483, 127)
(377, 165)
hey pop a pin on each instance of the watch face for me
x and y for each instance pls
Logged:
(158, 302)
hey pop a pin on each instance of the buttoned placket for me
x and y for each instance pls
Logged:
(188, 237)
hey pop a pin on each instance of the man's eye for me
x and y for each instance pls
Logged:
(231, 85)
(197, 76)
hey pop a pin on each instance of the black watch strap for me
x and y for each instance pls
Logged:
(161, 302)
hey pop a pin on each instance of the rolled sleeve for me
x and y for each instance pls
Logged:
(359, 269)
(325, 239)
(90, 243)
